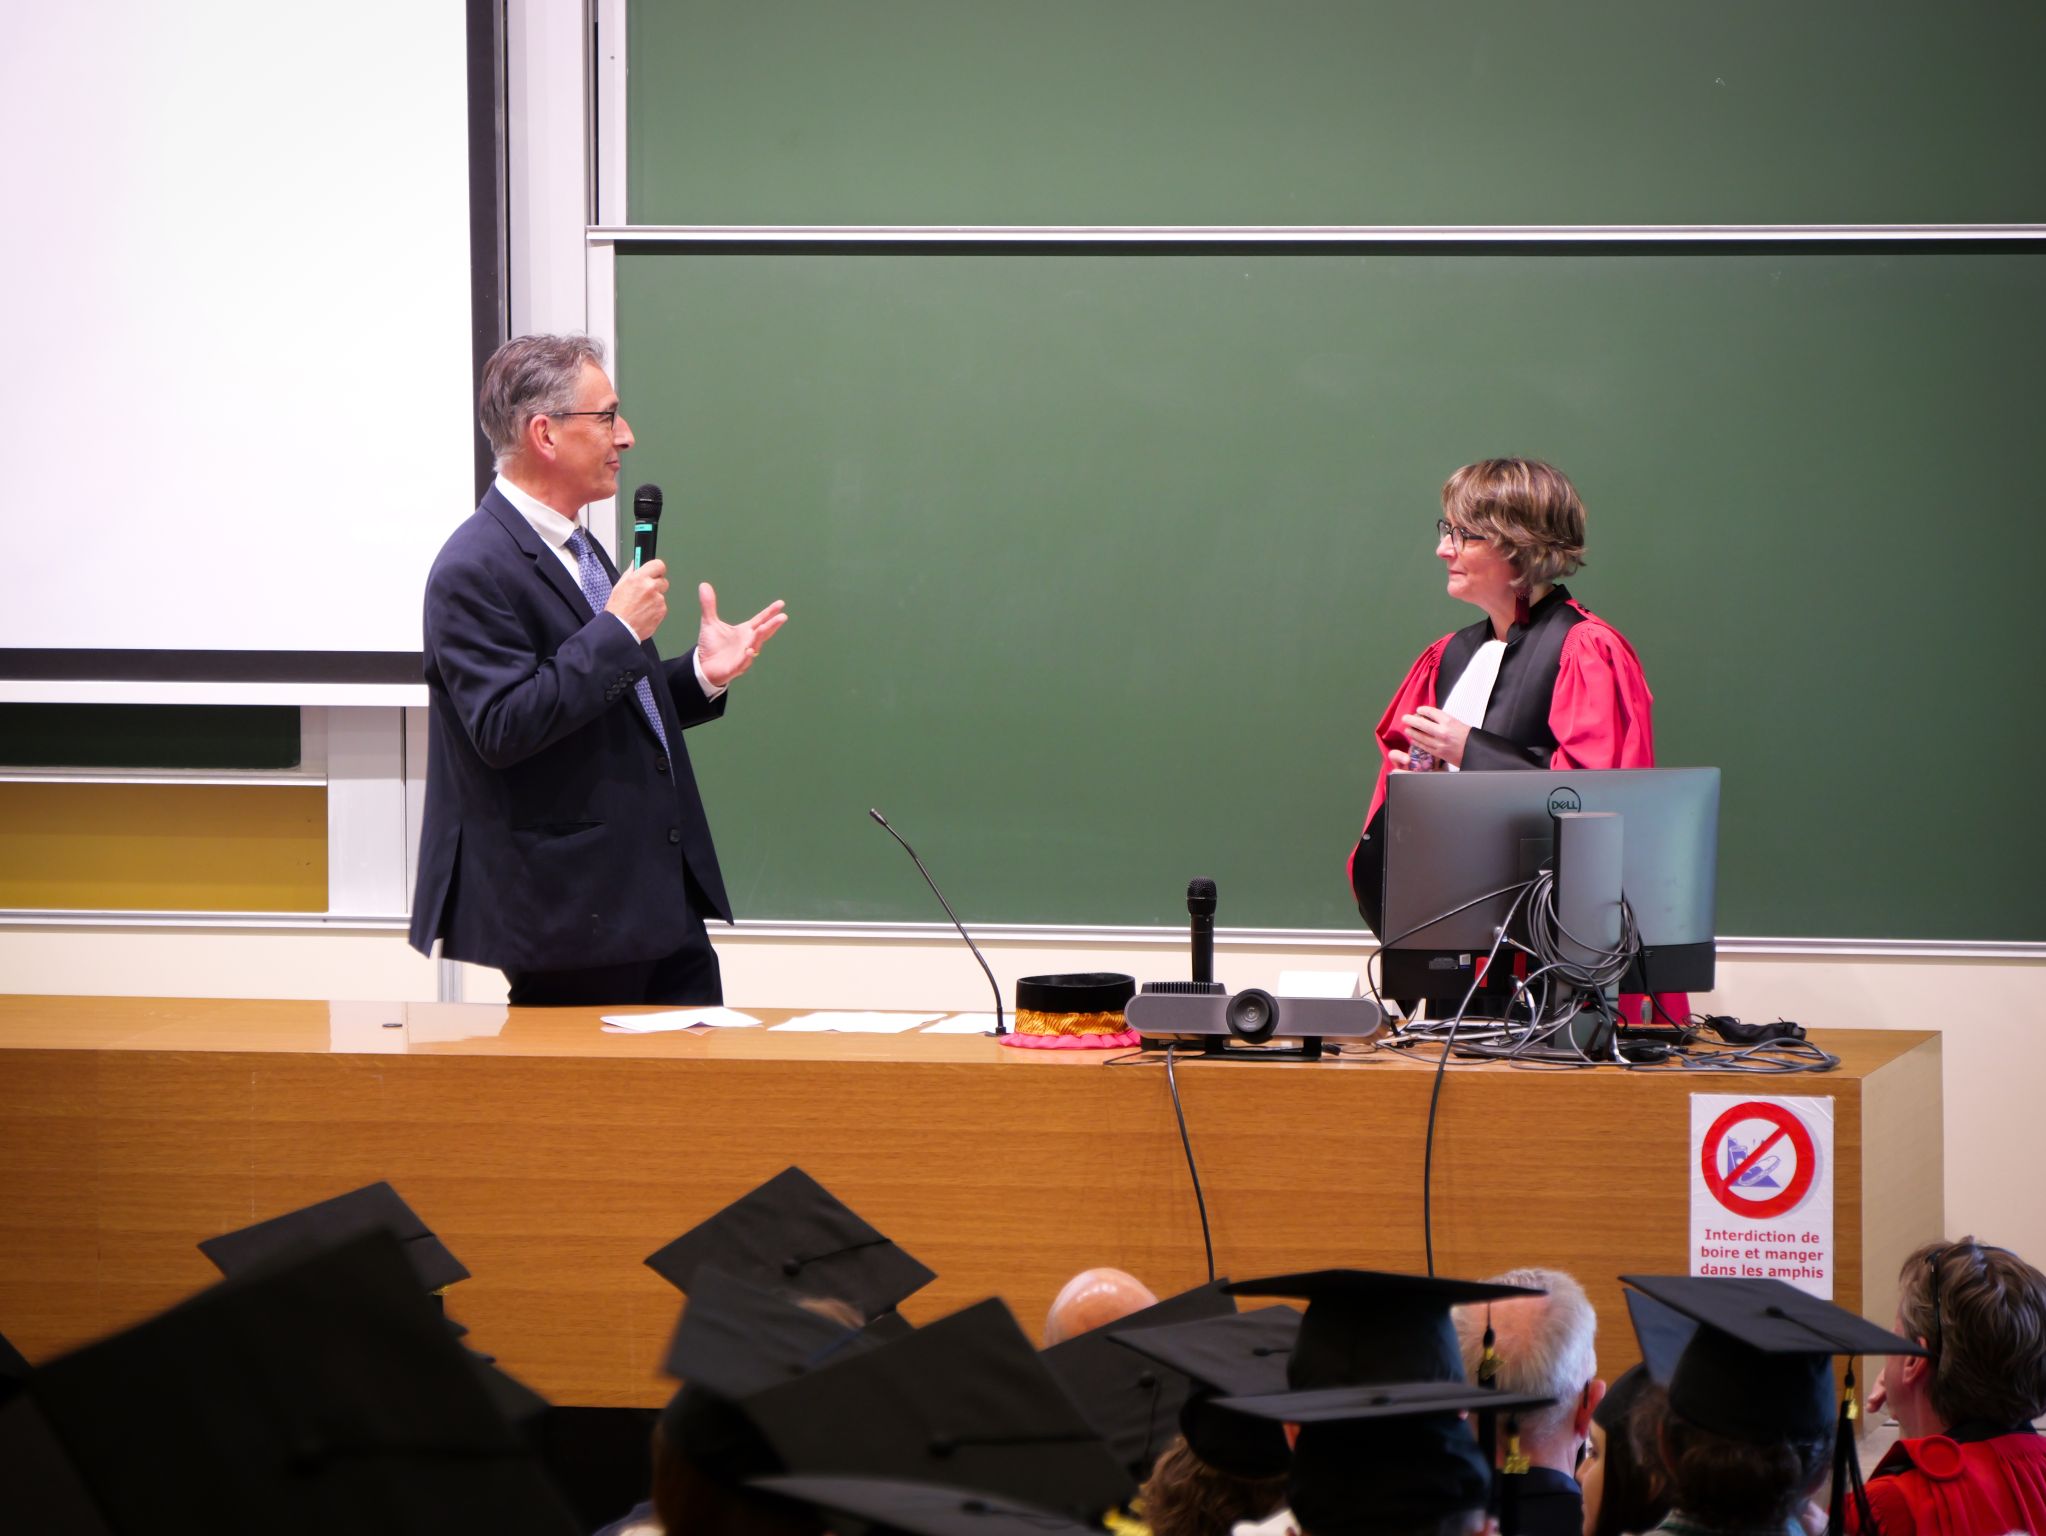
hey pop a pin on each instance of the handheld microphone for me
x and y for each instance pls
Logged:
(1200, 909)
(646, 522)
(882, 821)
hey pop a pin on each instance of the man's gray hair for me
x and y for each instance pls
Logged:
(531, 376)
(1555, 1358)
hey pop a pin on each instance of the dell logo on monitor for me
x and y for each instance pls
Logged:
(1564, 798)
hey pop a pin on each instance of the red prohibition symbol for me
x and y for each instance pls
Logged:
(1786, 1125)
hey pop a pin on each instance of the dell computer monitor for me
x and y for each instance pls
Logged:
(1453, 837)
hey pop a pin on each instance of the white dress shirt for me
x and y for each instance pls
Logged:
(556, 530)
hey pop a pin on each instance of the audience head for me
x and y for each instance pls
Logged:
(1526, 509)
(1546, 1346)
(1623, 1489)
(1980, 1312)
(1187, 1496)
(1749, 1426)
(1092, 1299)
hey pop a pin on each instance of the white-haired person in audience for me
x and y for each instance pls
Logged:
(1546, 1345)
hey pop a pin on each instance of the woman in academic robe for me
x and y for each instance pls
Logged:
(1539, 682)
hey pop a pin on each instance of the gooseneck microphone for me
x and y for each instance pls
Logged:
(646, 523)
(1200, 909)
(882, 821)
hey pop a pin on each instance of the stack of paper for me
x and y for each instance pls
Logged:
(964, 1024)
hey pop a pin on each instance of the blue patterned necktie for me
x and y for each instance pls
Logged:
(596, 585)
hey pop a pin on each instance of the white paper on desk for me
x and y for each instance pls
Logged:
(964, 1024)
(677, 1018)
(856, 1023)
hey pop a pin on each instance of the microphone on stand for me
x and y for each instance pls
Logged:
(882, 822)
(1200, 909)
(646, 523)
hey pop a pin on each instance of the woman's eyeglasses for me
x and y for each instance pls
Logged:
(1458, 537)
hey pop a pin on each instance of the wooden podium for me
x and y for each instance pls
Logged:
(552, 1157)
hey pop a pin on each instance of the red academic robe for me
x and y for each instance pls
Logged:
(1938, 1486)
(1601, 715)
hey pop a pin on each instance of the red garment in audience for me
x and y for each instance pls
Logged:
(1942, 1487)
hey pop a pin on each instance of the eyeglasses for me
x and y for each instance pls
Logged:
(608, 418)
(1458, 537)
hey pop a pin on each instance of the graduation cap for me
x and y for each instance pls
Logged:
(736, 1339)
(964, 1401)
(1611, 1413)
(733, 1341)
(320, 1395)
(1364, 1325)
(1241, 1355)
(1399, 1449)
(792, 1234)
(14, 1369)
(1133, 1400)
(924, 1509)
(373, 1208)
(1751, 1359)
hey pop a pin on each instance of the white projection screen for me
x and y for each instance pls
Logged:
(238, 274)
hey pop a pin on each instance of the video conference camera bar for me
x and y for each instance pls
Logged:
(1241, 1023)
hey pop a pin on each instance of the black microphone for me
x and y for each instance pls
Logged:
(646, 522)
(1200, 907)
(1000, 1029)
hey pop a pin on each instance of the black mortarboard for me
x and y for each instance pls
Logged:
(1241, 1355)
(373, 1208)
(14, 1369)
(1132, 1400)
(792, 1234)
(321, 1395)
(1364, 1325)
(736, 1339)
(1751, 1359)
(1398, 1449)
(963, 1401)
(924, 1509)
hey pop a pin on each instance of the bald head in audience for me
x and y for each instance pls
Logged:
(1092, 1299)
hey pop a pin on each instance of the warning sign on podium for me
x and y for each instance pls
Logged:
(1762, 1188)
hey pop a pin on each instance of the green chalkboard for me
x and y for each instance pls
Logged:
(147, 736)
(1101, 567)
(1334, 112)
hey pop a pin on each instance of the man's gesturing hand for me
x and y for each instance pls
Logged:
(641, 598)
(725, 650)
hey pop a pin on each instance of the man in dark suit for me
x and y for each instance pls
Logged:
(564, 838)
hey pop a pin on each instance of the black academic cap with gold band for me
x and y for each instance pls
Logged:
(1241, 1355)
(1133, 1400)
(964, 1401)
(793, 1235)
(373, 1208)
(1751, 1359)
(1365, 1325)
(923, 1509)
(320, 1394)
(736, 1339)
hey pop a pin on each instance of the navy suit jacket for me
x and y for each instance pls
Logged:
(558, 834)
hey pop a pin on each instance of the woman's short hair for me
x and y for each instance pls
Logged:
(531, 376)
(1987, 1336)
(1528, 508)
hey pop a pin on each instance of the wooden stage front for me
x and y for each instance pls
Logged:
(552, 1157)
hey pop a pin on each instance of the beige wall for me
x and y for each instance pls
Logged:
(1992, 1012)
